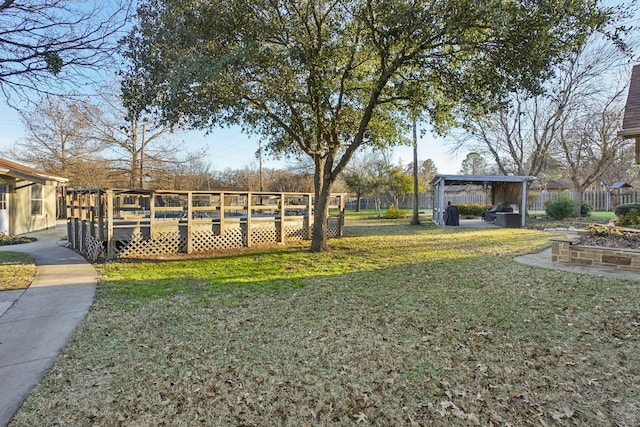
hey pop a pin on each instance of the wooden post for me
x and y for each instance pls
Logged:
(92, 214)
(341, 220)
(83, 235)
(221, 213)
(71, 205)
(76, 234)
(100, 206)
(111, 244)
(152, 215)
(308, 218)
(84, 205)
(248, 208)
(69, 231)
(282, 217)
(67, 203)
(189, 222)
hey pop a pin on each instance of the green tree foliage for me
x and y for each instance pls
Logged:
(326, 78)
(399, 184)
(427, 170)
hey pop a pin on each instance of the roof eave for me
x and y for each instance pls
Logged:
(629, 133)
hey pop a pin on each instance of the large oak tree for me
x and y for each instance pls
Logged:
(325, 78)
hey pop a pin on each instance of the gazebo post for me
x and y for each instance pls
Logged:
(441, 186)
(523, 204)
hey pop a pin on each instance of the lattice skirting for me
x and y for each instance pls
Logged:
(204, 239)
(92, 248)
(333, 229)
(294, 230)
(161, 244)
(207, 241)
(264, 234)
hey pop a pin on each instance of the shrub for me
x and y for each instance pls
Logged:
(585, 208)
(393, 213)
(560, 208)
(628, 214)
(626, 208)
(471, 210)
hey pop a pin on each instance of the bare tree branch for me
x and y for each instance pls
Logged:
(47, 47)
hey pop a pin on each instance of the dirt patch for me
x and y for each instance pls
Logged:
(612, 241)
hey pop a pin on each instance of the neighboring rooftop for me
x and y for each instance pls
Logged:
(620, 184)
(479, 179)
(631, 121)
(18, 171)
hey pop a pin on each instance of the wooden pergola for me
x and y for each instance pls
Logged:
(504, 188)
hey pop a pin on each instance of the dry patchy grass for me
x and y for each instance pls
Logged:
(17, 270)
(427, 327)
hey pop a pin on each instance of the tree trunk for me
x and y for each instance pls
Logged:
(358, 202)
(578, 211)
(322, 184)
(415, 220)
(319, 238)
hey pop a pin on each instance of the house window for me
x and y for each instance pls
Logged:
(36, 199)
(3, 198)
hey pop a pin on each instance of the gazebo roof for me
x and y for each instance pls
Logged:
(479, 179)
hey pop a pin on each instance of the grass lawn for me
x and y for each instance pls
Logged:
(396, 325)
(17, 270)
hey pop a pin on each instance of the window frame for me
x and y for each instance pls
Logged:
(35, 199)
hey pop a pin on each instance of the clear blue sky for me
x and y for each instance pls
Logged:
(230, 148)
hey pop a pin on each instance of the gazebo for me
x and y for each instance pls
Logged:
(504, 188)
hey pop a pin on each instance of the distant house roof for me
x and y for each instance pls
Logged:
(551, 185)
(620, 184)
(18, 171)
(631, 121)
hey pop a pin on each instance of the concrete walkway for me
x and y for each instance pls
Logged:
(36, 323)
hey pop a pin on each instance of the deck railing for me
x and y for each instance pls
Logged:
(141, 224)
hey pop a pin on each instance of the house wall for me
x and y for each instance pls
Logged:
(21, 219)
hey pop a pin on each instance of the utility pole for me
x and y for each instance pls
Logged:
(144, 130)
(416, 197)
(260, 162)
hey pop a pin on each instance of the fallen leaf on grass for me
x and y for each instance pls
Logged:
(561, 414)
(360, 418)
(449, 408)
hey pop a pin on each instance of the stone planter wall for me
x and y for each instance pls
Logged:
(568, 251)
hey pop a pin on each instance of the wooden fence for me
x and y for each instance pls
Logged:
(139, 224)
(599, 200)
